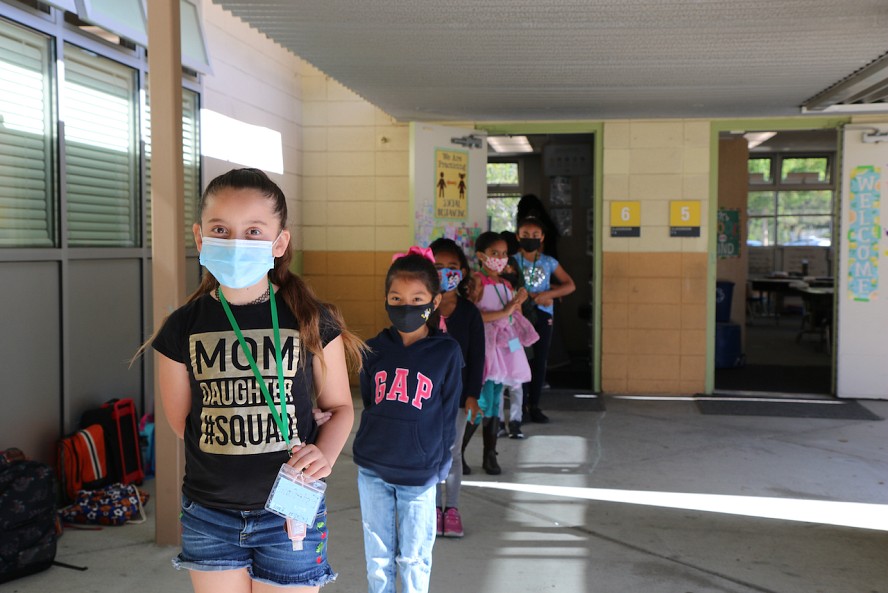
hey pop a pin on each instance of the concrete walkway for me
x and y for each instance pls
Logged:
(531, 542)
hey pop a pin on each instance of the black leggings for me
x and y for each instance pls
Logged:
(534, 389)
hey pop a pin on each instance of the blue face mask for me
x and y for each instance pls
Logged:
(237, 263)
(450, 279)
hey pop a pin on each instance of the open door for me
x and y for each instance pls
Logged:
(448, 183)
(862, 292)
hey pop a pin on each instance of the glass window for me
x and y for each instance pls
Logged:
(761, 231)
(190, 160)
(194, 48)
(26, 145)
(805, 230)
(502, 174)
(101, 160)
(809, 171)
(804, 202)
(501, 211)
(125, 17)
(760, 203)
(760, 171)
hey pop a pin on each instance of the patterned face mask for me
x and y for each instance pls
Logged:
(496, 264)
(450, 279)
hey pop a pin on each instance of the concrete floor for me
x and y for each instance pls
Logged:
(526, 542)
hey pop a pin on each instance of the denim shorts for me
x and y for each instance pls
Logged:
(221, 539)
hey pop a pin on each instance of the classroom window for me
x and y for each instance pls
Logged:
(503, 194)
(190, 162)
(101, 157)
(27, 208)
(790, 213)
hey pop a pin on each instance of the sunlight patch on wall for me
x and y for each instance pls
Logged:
(232, 140)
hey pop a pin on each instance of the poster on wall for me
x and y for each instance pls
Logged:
(864, 232)
(451, 183)
(728, 233)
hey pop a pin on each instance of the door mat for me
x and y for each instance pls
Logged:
(830, 409)
(571, 400)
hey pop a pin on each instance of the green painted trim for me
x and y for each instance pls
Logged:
(743, 125)
(411, 170)
(778, 124)
(596, 128)
(712, 260)
(553, 127)
(296, 264)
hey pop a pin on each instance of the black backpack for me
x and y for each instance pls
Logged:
(28, 534)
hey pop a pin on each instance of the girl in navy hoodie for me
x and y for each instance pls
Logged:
(411, 384)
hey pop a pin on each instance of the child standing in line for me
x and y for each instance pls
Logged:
(512, 274)
(538, 270)
(411, 383)
(506, 333)
(462, 320)
(238, 365)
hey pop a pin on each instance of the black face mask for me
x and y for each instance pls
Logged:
(530, 245)
(409, 318)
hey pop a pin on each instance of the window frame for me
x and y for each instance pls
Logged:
(777, 186)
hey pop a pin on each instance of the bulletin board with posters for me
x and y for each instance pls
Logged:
(457, 208)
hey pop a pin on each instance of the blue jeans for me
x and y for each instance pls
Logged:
(399, 532)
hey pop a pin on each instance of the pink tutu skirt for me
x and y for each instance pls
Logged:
(503, 362)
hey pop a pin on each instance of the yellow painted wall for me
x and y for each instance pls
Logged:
(654, 286)
(355, 198)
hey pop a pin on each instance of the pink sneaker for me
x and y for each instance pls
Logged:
(440, 513)
(452, 523)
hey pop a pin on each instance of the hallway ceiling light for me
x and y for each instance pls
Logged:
(510, 144)
(756, 138)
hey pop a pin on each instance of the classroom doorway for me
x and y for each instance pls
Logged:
(777, 244)
(558, 169)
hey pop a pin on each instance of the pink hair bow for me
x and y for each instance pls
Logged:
(425, 252)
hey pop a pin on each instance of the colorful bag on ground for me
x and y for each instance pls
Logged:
(82, 464)
(114, 505)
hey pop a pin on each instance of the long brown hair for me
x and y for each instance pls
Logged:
(301, 300)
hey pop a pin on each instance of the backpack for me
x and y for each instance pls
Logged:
(122, 448)
(82, 461)
(28, 533)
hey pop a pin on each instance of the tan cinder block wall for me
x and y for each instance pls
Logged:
(355, 198)
(654, 286)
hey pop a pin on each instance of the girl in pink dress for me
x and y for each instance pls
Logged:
(506, 333)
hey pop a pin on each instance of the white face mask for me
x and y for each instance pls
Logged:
(237, 263)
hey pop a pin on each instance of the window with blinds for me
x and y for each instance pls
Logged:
(26, 139)
(98, 108)
(190, 160)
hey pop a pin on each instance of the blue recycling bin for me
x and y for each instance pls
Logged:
(724, 294)
(728, 351)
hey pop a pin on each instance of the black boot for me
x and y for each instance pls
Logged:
(467, 436)
(491, 425)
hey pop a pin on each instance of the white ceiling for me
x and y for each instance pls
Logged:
(578, 59)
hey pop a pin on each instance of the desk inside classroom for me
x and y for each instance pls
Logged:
(775, 289)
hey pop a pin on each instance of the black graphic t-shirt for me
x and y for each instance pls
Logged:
(233, 448)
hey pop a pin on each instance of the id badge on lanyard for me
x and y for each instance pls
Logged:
(292, 496)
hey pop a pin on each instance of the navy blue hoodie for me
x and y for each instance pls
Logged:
(411, 395)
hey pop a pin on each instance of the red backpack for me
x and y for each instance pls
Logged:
(82, 462)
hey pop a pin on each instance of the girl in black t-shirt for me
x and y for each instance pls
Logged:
(237, 366)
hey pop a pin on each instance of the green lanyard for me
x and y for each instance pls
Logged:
(279, 418)
(502, 302)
